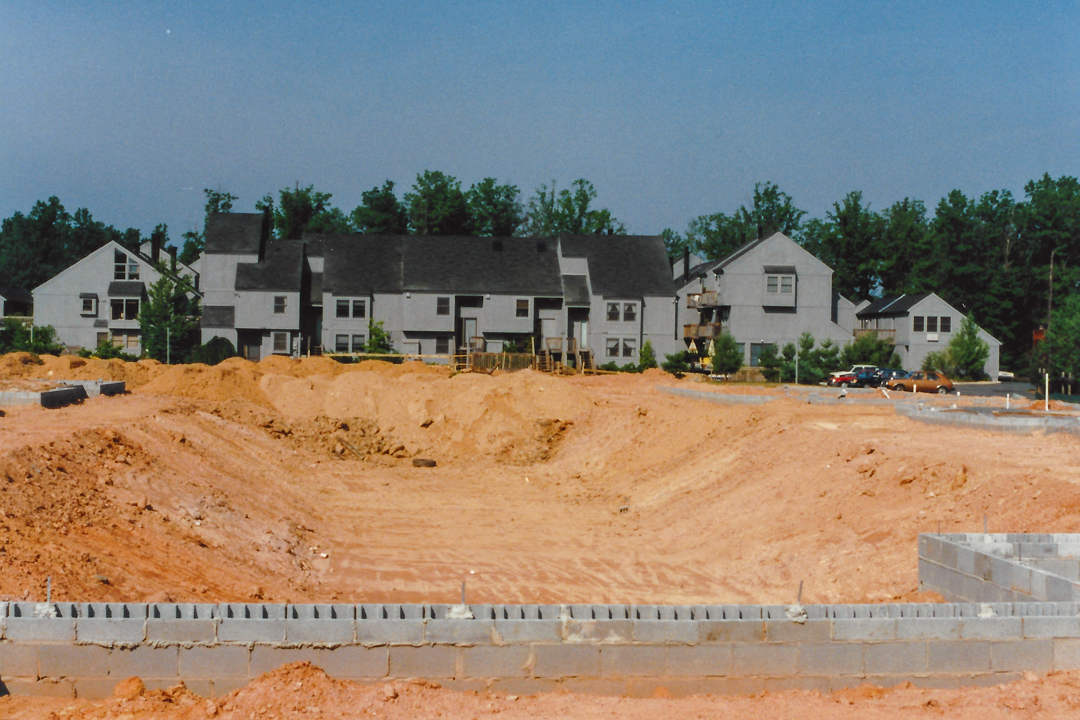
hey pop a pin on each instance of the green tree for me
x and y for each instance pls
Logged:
(304, 209)
(827, 357)
(869, 349)
(648, 356)
(214, 351)
(17, 336)
(717, 235)
(727, 355)
(437, 205)
(904, 239)
(379, 339)
(1062, 344)
(967, 353)
(169, 319)
(848, 241)
(568, 211)
(380, 212)
(495, 209)
(769, 361)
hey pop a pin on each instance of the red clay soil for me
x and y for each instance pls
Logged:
(293, 481)
(303, 692)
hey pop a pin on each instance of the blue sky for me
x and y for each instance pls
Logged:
(671, 109)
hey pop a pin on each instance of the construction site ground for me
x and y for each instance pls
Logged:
(294, 481)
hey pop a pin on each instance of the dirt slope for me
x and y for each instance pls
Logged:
(293, 480)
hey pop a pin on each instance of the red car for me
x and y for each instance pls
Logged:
(843, 380)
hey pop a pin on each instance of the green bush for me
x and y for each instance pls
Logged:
(15, 336)
(869, 349)
(107, 351)
(727, 357)
(213, 351)
(677, 363)
(648, 356)
(769, 362)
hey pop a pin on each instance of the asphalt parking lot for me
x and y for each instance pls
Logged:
(996, 389)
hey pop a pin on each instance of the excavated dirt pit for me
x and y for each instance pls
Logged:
(293, 481)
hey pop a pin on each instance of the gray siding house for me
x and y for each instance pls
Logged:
(435, 295)
(98, 298)
(768, 292)
(918, 324)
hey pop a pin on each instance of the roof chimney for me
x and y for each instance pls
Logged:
(686, 263)
(155, 247)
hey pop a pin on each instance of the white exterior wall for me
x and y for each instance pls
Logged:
(57, 302)
(917, 345)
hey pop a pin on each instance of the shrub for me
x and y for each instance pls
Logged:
(648, 356)
(213, 351)
(15, 336)
(727, 357)
(676, 363)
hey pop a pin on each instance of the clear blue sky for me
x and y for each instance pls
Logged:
(671, 109)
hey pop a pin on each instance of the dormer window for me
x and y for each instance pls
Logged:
(779, 286)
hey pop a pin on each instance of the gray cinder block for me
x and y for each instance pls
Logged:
(789, 631)
(826, 658)
(764, 659)
(864, 629)
(459, 632)
(320, 624)
(355, 662)
(254, 622)
(666, 632)
(1022, 656)
(426, 661)
(993, 628)
(216, 662)
(1051, 627)
(554, 661)
(726, 631)
(959, 657)
(18, 660)
(633, 660)
(895, 658)
(382, 632)
(1066, 654)
(496, 662)
(145, 662)
(598, 631)
(699, 660)
(928, 628)
(514, 632)
(57, 661)
(265, 658)
(181, 623)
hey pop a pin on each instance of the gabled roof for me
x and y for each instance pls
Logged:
(235, 233)
(478, 265)
(16, 295)
(623, 265)
(361, 264)
(281, 269)
(892, 305)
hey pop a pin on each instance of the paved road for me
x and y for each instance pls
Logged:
(996, 389)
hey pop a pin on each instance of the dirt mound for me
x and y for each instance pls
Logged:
(19, 364)
(232, 379)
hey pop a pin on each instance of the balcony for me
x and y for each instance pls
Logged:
(888, 336)
(709, 331)
(695, 301)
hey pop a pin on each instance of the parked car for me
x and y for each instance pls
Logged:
(855, 369)
(1006, 376)
(885, 375)
(842, 380)
(865, 378)
(922, 382)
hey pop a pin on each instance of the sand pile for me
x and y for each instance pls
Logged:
(232, 379)
(511, 417)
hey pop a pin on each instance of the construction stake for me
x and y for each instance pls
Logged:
(462, 592)
(799, 600)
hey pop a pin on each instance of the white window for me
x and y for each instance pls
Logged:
(917, 323)
(442, 306)
(442, 346)
(613, 312)
(133, 271)
(89, 306)
(343, 308)
(281, 342)
(359, 308)
(279, 304)
(629, 347)
(358, 343)
(946, 324)
(931, 324)
(119, 265)
(124, 309)
(772, 283)
(341, 343)
(522, 310)
(629, 312)
(612, 347)
(787, 283)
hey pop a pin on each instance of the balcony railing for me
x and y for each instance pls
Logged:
(708, 331)
(702, 300)
(888, 336)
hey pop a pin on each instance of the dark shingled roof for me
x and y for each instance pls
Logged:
(892, 305)
(16, 295)
(623, 265)
(476, 265)
(126, 288)
(362, 264)
(219, 316)
(576, 290)
(281, 269)
(234, 233)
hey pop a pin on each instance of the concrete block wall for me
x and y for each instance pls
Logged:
(1009, 567)
(989, 419)
(84, 649)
